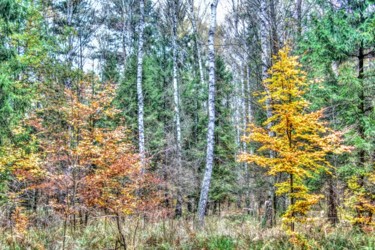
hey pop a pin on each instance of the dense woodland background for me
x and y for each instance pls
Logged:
(149, 125)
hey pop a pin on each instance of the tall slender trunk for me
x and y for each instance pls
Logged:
(332, 206)
(299, 17)
(292, 199)
(141, 132)
(244, 124)
(332, 185)
(176, 98)
(236, 107)
(69, 56)
(80, 50)
(124, 33)
(250, 119)
(196, 41)
(211, 117)
(361, 129)
(273, 20)
(69, 19)
(269, 50)
(272, 155)
(361, 106)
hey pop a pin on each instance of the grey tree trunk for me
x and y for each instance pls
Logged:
(69, 18)
(268, 49)
(211, 117)
(126, 16)
(274, 39)
(141, 132)
(244, 125)
(250, 119)
(299, 17)
(176, 99)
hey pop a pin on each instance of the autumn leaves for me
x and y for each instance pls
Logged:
(300, 140)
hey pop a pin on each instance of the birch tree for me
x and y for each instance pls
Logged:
(141, 135)
(211, 116)
(176, 100)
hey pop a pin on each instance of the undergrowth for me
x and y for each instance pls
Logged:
(219, 233)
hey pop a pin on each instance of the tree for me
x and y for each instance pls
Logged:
(223, 176)
(340, 45)
(176, 101)
(211, 117)
(300, 140)
(88, 161)
(24, 59)
(141, 132)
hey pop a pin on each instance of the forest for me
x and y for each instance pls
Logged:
(182, 124)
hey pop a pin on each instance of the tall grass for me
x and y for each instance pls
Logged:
(228, 232)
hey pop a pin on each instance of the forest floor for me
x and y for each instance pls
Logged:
(220, 232)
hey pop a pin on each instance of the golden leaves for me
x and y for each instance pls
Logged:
(299, 140)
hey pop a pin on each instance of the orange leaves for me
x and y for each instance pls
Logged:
(114, 188)
(20, 222)
(88, 161)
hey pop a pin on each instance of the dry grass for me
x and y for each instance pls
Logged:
(226, 232)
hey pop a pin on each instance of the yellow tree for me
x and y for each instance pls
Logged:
(300, 139)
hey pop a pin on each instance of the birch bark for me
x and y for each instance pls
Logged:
(211, 117)
(141, 134)
(176, 98)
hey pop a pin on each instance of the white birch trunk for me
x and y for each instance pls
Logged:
(211, 117)
(124, 32)
(176, 99)
(141, 132)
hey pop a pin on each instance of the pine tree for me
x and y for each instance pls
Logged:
(24, 59)
(340, 45)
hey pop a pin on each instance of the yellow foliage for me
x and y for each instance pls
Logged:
(300, 141)
(362, 199)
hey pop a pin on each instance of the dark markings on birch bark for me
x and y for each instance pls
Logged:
(211, 117)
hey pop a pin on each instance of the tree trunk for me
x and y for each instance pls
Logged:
(122, 238)
(299, 17)
(273, 19)
(197, 42)
(176, 99)
(292, 200)
(211, 117)
(332, 206)
(141, 135)
(126, 15)
(361, 129)
(244, 144)
(274, 48)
